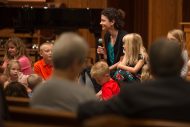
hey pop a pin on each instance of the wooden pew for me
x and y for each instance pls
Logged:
(18, 101)
(119, 121)
(42, 116)
(24, 124)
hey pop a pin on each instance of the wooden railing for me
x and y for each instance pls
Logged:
(18, 101)
(118, 121)
(42, 116)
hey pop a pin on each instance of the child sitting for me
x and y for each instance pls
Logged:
(101, 73)
(15, 50)
(13, 73)
(15, 89)
(129, 69)
(33, 80)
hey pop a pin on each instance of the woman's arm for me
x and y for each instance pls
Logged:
(134, 69)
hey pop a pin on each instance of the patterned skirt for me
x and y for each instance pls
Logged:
(125, 76)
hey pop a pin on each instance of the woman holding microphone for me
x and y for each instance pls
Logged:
(112, 21)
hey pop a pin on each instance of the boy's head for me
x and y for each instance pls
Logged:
(46, 51)
(33, 80)
(100, 72)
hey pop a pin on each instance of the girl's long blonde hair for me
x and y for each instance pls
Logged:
(132, 46)
(179, 36)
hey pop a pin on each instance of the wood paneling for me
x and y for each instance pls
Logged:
(26, 0)
(97, 3)
(186, 10)
(164, 15)
(77, 3)
(59, 3)
(82, 3)
(186, 28)
(141, 19)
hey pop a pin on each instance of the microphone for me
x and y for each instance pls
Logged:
(100, 43)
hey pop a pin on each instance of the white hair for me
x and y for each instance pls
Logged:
(68, 48)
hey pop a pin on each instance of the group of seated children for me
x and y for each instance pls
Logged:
(133, 66)
(17, 71)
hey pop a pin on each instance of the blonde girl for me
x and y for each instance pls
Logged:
(145, 73)
(13, 73)
(129, 69)
(178, 35)
(15, 50)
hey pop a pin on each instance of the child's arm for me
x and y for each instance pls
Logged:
(116, 64)
(107, 94)
(134, 69)
(99, 94)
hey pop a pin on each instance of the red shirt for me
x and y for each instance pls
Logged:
(110, 89)
(42, 69)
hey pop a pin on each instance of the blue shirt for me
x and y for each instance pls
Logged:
(111, 53)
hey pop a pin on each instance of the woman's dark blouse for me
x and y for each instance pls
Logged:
(118, 47)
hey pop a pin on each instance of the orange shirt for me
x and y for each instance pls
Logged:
(42, 69)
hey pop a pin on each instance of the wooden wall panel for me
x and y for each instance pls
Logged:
(59, 2)
(140, 18)
(186, 10)
(187, 33)
(186, 29)
(82, 3)
(164, 15)
(97, 3)
(77, 4)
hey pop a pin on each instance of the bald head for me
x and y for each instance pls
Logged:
(69, 48)
(165, 58)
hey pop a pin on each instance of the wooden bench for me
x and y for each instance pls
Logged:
(24, 124)
(118, 121)
(18, 101)
(41, 116)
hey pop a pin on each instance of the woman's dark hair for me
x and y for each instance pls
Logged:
(114, 14)
(15, 89)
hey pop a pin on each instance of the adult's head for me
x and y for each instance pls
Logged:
(46, 52)
(177, 35)
(69, 53)
(111, 17)
(165, 58)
